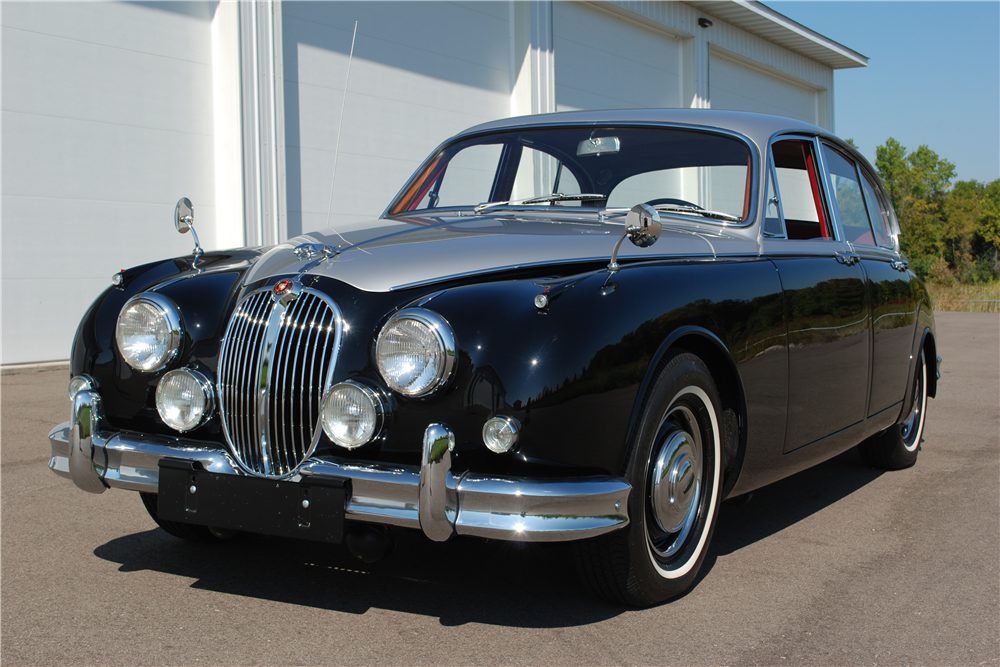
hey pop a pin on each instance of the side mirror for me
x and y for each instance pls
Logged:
(183, 215)
(184, 222)
(642, 227)
(643, 224)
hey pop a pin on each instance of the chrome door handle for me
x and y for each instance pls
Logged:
(848, 258)
(900, 264)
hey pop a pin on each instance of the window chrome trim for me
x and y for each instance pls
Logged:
(704, 129)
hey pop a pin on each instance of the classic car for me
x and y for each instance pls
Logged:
(490, 359)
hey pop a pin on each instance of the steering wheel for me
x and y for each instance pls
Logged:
(673, 202)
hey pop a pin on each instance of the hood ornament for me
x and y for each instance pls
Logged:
(305, 251)
(642, 227)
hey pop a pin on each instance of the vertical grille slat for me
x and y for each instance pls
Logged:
(303, 336)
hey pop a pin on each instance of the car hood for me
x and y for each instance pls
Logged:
(390, 254)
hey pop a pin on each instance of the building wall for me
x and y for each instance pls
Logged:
(420, 73)
(112, 111)
(106, 123)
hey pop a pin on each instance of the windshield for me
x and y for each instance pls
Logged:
(587, 169)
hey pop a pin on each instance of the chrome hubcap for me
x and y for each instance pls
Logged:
(675, 484)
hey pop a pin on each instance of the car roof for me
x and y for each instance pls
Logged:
(756, 126)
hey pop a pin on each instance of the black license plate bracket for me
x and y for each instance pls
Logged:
(311, 509)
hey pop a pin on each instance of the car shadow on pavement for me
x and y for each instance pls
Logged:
(777, 506)
(466, 580)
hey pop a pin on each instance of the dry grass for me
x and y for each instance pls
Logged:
(965, 298)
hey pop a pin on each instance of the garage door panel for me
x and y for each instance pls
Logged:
(735, 85)
(602, 62)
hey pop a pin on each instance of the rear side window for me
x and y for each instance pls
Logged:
(847, 198)
(798, 190)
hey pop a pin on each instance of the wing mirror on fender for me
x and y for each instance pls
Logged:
(642, 227)
(184, 222)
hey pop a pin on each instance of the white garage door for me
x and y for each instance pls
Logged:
(603, 62)
(734, 85)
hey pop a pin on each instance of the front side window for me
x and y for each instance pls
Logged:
(621, 166)
(801, 200)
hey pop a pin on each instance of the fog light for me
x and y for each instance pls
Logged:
(184, 399)
(352, 414)
(80, 383)
(500, 434)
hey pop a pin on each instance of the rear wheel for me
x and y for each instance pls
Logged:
(185, 531)
(897, 447)
(675, 472)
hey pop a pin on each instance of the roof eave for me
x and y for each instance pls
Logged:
(758, 18)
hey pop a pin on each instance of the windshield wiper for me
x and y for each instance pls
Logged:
(543, 199)
(694, 210)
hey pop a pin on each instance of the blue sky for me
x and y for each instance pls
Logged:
(933, 76)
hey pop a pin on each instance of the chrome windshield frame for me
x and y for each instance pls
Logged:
(752, 148)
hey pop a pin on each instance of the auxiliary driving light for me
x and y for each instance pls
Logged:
(352, 414)
(184, 399)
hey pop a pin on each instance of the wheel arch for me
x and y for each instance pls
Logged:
(929, 348)
(713, 352)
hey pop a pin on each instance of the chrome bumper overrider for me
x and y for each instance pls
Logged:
(428, 497)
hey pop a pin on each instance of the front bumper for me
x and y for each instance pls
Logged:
(428, 497)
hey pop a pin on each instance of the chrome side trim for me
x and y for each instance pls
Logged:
(430, 497)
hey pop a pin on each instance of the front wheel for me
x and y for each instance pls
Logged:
(675, 472)
(897, 447)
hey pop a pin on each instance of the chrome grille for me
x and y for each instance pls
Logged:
(276, 363)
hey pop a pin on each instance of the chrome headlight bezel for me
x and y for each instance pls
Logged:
(377, 403)
(445, 338)
(167, 310)
(207, 390)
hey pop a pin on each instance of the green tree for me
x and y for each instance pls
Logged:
(918, 183)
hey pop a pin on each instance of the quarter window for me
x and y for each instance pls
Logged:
(878, 213)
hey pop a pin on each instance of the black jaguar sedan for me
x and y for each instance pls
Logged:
(490, 357)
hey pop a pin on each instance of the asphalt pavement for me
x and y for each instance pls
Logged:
(838, 565)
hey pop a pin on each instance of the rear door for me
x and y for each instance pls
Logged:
(863, 214)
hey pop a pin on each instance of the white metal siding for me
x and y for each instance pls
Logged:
(421, 72)
(107, 121)
(605, 62)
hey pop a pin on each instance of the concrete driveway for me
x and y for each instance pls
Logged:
(837, 565)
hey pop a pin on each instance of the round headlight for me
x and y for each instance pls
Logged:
(500, 434)
(415, 352)
(148, 332)
(184, 399)
(352, 414)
